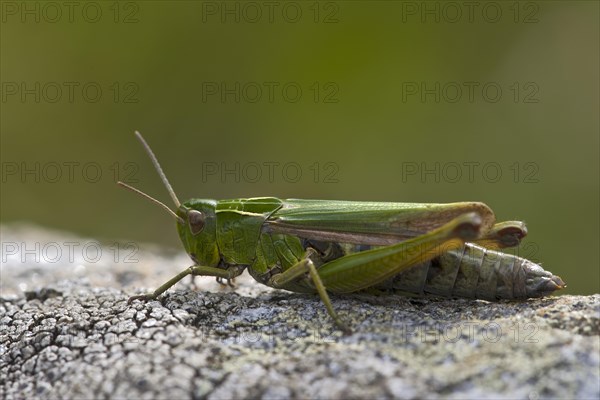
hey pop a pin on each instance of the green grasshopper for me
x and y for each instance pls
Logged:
(324, 246)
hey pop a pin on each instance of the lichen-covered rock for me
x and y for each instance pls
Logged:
(66, 331)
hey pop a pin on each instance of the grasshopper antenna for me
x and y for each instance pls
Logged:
(163, 177)
(152, 199)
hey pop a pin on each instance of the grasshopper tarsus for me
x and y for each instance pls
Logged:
(142, 297)
(344, 328)
(228, 282)
(193, 282)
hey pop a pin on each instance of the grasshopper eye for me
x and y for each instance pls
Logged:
(196, 220)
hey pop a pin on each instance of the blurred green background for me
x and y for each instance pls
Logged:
(387, 101)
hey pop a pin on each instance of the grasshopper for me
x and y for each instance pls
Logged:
(324, 246)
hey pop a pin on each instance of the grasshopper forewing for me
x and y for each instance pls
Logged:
(326, 246)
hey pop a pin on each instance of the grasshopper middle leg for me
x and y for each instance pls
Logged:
(298, 270)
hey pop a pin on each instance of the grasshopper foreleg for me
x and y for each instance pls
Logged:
(194, 270)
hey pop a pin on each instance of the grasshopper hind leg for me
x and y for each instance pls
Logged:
(503, 235)
(369, 268)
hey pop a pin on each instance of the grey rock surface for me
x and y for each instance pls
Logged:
(66, 331)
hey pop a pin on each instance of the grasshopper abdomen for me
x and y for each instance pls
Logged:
(478, 273)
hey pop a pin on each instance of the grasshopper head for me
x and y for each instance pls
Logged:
(196, 219)
(197, 231)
